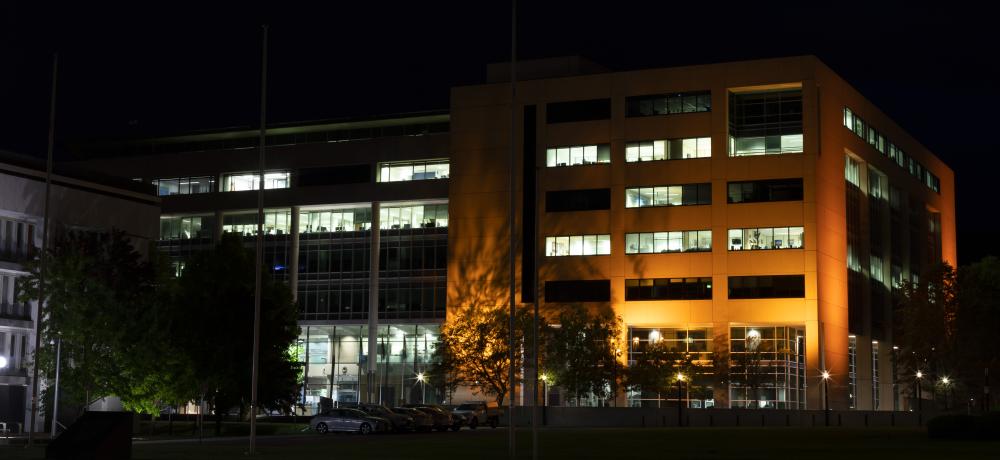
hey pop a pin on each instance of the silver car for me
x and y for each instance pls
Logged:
(351, 420)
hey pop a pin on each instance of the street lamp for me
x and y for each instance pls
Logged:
(826, 396)
(680, 405)
(423, 387)
(920, 404)
(945, 382)
(545, 396)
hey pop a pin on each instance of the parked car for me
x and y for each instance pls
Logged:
(442, 419)
(479, 413)
(344, 419)
(457, 420)
(399, 422)
(422, 421)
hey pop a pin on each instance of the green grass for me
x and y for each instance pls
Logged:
(604, 444)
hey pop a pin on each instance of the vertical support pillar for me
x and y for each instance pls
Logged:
(305, 369)
(373, 301)
(293, 258)
(217, 231)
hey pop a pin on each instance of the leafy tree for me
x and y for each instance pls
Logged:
(656, 369)
(977, 323)
(102, 304)
(581, 353)
(926, 320)
(473, 348)
(211, 323)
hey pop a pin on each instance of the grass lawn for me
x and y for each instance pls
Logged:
(604, 444)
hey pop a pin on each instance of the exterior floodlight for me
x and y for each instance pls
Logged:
(920, 375)
(420, 377)
(545, 377)
(826, 375)
(3, 362)
(680, 377)
(945, 380)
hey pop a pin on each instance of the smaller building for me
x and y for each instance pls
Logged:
(78, 201)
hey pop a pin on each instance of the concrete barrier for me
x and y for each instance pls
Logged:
(651, 417)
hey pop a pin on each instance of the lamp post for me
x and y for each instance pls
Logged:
(920, 404)
(614, 378)
(945, 382)
(545, 396)
(826, 397)
(423, 387)
(55, 397)
(680, 404)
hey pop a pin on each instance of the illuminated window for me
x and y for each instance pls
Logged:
(668, 195)
(248, 181)
(664, 242)
(578, 245)
(765, 122)
(335, 220)
(886, 147)
(577, 155)
(184, 185)
(852, 170)
(404, 171)
(749, 239)
(674, 149)
(185, 227)
(416, 216)
(276, 222)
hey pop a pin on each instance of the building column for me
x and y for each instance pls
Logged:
(293, 262)
(373, 302)
(217, 231)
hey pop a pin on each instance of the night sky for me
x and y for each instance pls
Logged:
(129, 70)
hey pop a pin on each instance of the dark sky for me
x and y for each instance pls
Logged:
(134, 69)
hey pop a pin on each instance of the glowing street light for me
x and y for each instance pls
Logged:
(423, 387)
(920, 402)
(3, 362)
(680, 403)
(826, 396)
(945, 382)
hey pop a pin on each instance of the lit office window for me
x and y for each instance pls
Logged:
(750, 239)
(852, 170)
(664, 242)
(577, 155)
(766, 122)
(184, 185)
(335, 220)
(578, 245)
(668, 104)
(673, 149)
(417, 216)
(276, 222)
(185, 227)
(248, 181)
(668, 195)
(886, 147)
(404, 171)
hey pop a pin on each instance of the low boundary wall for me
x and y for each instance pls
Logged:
(639, 417)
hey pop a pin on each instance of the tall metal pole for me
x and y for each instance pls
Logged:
(260, 242)
(373, 281)
(45, 247)
(534, 323)
(511, 441)
(55, 397)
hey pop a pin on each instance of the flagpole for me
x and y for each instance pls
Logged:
(45, 247)
(511, 441)
(260, 244)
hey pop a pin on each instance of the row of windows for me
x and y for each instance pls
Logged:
(186, 227)
(417, 216)
(403, 171)
(668, 195)
(765, 122)
(740, 287)
(662, 242)
(673, 149)
(578, 245)
(887, 148)
(765, 145)
(669, 289)
(765, 190)
(17, 239)
(184, 185)
(668, 104)
(250, 181)
(577, 155)
(749, 239)
(10, 307)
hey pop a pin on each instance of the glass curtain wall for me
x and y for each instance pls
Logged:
(336, 360)
(698, 392)
(767, 367)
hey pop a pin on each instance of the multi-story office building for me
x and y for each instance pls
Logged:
(759, 213)
(79, 201)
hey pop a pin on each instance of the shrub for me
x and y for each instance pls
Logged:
(976, 427)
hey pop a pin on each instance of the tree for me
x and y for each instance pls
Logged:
(977, 323)
(582, 351)
(211, 323)
(926, 320)
(473, 348)
(656, 368)
(102, 305)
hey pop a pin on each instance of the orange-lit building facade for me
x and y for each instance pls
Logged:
(762, 208)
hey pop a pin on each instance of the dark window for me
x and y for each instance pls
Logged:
(336, 175)
(765, 190)
(669, 289)
(592, 109)
(578, 291)
(667, 104)
(768, 113)
(578, 200)
(767, 287)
